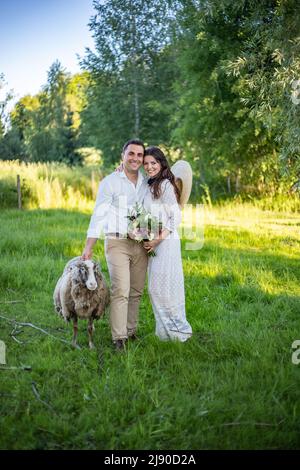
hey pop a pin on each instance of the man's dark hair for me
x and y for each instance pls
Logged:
(133, 142)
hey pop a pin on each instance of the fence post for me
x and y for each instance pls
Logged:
(229, 184)
(238, 181)
(93, 184)
(19, 192)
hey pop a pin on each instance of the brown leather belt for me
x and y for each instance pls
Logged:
(117, 235)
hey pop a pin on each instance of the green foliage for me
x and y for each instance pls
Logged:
(45, 127)
(267, 71)
(11, 145)
(236, 117)
(90, 156)
(5, 98)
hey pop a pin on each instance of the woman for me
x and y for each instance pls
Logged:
(165, 274)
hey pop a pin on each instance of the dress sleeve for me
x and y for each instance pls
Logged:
(103, 203)
(171, 207)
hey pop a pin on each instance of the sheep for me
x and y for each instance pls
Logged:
(81, 292)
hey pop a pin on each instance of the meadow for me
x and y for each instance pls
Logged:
(48, 185)
(231, 386)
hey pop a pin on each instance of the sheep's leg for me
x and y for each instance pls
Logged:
(90, 333)
(66, 307)
(75, 331)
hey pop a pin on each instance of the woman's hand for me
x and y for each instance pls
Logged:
(150, 245)
(131, 235)
(87, 254)
(120, 168)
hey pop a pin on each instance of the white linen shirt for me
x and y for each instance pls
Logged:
(116, 196)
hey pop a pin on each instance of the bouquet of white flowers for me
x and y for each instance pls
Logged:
(143, 226)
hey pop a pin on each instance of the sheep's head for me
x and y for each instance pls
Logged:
(83, 272)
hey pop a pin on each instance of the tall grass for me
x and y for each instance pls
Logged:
(55, 185)
(48, 185)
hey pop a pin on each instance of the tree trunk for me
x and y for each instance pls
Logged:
(136, 107)
(135, 82)
(228, 184)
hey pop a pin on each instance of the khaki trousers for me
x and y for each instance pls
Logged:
(127, 263)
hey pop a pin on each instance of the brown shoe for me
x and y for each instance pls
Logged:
(133, 337)
(119, 345)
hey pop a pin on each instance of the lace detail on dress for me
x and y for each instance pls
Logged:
(165, 273)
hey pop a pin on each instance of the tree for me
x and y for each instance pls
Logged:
(212, 121)
(4, 102)
(131, 43)
(268, 73)
(47, 124)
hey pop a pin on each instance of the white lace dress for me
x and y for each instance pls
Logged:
(165, 273)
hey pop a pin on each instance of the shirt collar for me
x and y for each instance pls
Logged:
(140, 179)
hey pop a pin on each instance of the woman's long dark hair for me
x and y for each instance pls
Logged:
(165, 173)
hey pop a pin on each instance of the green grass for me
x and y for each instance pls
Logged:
(232, 386)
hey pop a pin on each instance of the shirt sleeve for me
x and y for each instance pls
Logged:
(103, 204)
(171, 207)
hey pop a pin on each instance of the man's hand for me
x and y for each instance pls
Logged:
(88, 249)
(87, 254)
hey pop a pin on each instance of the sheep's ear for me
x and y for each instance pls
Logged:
(79, 264)
(97, 268)
(69, 269)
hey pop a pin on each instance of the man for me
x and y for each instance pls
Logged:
(126, 259)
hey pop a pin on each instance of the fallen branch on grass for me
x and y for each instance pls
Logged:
(14, 332)
(31, 325)
(16, 340)
(15, 368)
(11, 301)
(38, 397)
